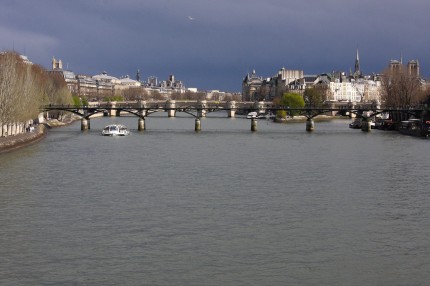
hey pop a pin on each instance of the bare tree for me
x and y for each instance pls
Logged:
(177, 96)
(196, 95)
(315, 96)
(426, 95)
(24, 87)
(232, 96)
(135, 93)
(400, 89)
(8, 70)
(156, 95)
(19, 97)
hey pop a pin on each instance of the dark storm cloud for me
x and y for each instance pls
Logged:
(213, 44)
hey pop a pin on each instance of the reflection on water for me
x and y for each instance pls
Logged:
(224, 206)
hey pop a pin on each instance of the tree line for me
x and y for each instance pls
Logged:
(401, 89)
(24, 87)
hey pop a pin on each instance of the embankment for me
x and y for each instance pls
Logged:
(17, 141)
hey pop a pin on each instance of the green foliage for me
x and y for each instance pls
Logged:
(292, 100)
(78, 101)
(114, 98)
(281, 114)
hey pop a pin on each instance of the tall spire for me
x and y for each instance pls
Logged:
(357, 71)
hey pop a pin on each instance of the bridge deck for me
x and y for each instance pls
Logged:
(195, 108)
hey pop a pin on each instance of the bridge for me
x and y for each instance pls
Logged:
(199, 109)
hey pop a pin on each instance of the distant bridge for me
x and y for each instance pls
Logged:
(199, 109)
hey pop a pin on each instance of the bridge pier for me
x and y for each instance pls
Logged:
(112, 105)
(202, 111)
(365, 125)
(253, 124)
(197, 125)
(310, 125)
(231, 106)
(170, 107)
(141, 124)
(260, 108)
(142, 112)
(85, 124)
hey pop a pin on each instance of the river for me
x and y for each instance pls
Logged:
(225, 206)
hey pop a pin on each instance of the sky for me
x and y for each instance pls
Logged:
(213, 45)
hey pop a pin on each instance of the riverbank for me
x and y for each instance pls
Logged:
(11, 143)
(17, 141)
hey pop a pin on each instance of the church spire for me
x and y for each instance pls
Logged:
(357, 65)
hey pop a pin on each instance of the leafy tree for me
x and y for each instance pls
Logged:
(77, 100)
(292, 100)
(281, 114)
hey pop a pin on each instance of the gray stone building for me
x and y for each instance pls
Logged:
(256, 88)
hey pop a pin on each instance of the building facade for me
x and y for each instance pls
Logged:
(412, 67)
(255, 88)
(252, 87)
(103, 85)
(343, 88)
(69, 76)
(339, 86)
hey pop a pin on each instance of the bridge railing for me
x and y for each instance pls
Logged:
(210, 106)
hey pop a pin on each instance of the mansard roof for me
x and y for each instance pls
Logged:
(310, 78)
(105, 77)
(130, 82)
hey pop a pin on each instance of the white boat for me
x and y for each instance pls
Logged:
(252, 114)
(115, 130)
(255, 114)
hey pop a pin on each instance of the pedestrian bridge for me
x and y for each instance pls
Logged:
(199, 109)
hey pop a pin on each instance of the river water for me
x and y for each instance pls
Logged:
(224, 206)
